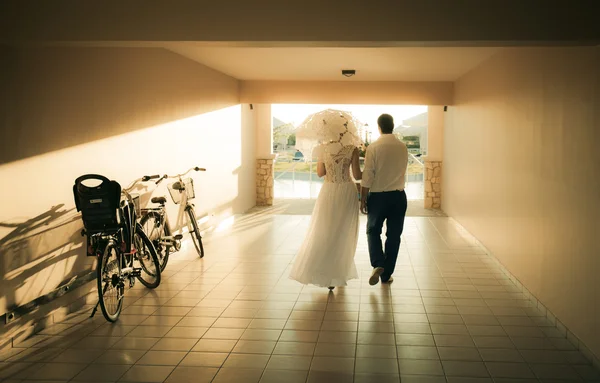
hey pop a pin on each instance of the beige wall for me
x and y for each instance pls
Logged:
(521, 165)
(122, 113)
(347, 92)
(435, 133)
(264, 131)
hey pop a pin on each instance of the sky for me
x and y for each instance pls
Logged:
(368, 114)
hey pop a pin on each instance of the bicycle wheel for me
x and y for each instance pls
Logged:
(195, 231)
(110, 282)
(155, 228)
(145, 258)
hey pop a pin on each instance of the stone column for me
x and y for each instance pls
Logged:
(433, 184)
(264, 182)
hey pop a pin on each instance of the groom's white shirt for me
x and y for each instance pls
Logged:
(385, 165)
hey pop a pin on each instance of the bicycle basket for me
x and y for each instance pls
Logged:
(176, 190)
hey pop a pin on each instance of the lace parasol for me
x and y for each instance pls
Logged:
(329, 126)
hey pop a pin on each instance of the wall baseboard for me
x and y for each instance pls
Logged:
(561, 327)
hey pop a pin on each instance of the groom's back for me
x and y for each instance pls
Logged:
(385, 164)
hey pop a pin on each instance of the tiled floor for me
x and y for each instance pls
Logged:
(450, 316)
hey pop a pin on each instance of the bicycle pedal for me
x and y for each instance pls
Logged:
(137, 272)
(178, 237)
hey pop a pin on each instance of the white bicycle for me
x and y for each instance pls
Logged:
(156, 222)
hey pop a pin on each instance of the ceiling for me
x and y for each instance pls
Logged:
(325, 64)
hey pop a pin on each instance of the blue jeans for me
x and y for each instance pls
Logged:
(389, 207)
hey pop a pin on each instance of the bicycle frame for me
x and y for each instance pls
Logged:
(183, 206)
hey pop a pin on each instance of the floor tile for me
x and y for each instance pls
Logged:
(375, 351)
(315, 376)
(414, 340)
(175, 344)
(554, 371)
(376, 365)
(294, 348)
(420, 367)
(258, 334)
(285, 376)
(57, 371)
(459, 354)
(204, 359)
(102, 372)
(289, 362)
(509, 370)
(299, 336)
(418, 352)
(184, 374)
(252, 361)
(336, 350)
(493, 342)
(453, 341)
(500, 355)
(162, 358)
(77, 356)
(238, 375)
(214, 345)
(149, 374)
(333, 364)
(187, 332)
(120, 357)
(422, 379)
(135, 343)
(376, 378)
(465, 369)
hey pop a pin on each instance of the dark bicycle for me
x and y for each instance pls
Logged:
(123, 250)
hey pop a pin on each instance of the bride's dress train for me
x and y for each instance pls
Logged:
(326, 257)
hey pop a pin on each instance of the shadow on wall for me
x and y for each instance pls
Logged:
(39, 255)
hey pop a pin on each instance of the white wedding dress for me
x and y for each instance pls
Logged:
(326, 257)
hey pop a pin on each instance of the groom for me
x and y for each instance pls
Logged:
(383, 198)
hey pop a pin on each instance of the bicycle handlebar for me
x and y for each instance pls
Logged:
(161, 179)
(196, 168)
(148, 178)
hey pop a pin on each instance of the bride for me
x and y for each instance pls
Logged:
(326, 257)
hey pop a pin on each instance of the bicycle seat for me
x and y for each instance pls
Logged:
(160, 200)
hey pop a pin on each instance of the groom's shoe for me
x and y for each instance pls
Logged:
(377, 271)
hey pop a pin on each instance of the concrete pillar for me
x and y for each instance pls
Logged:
(435, 154)
(264, 155)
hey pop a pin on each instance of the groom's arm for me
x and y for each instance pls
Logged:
(367, 180)
(363, 200)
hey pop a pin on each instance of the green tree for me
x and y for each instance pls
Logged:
(291, 140)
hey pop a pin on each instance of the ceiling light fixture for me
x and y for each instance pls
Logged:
(348, 72)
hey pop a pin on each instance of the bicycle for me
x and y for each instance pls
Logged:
(152, 219)
(123, 250)
(155, 220)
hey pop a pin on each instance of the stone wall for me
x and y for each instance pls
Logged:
(433, 184)
(264, 182)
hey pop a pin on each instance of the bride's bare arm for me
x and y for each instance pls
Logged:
(356, 172)
(321, 169)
